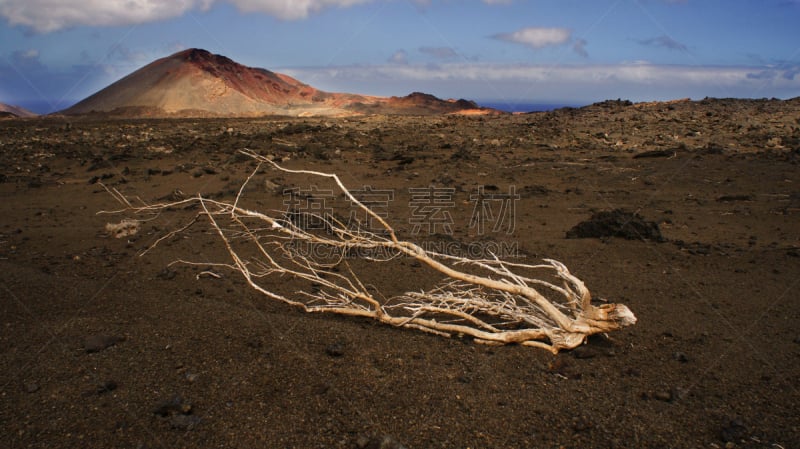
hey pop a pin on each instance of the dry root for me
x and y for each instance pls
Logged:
(491, 300)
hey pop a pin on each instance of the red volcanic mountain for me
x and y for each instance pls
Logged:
(7, 110)
(198, 83)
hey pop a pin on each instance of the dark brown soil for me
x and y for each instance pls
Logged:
(103, 348)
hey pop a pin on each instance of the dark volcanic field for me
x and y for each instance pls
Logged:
(100, 347)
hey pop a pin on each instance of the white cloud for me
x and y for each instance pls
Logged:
(537, 37)
(27, 60)
(399, 57)
(29, 54)
(51, 15)
(292, 9)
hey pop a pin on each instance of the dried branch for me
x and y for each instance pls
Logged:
(493, 301)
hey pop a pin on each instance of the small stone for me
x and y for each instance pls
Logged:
(335, 350)
(322, 388)
(362, 442)
(678, 393)
(735, 430)
(386, 442)
(581, 424)
(97, 343)
(166, 274)
(271, 186)
(631, 372)
(31, 387)
(184, 422)
(584, 352)
(665, 396)
(680, 357)
(175, 405)
(107, 387)
(389, 442)
(255, 343)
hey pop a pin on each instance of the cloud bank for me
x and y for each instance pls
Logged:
(51, 15)
(564, 83)
(46, 16)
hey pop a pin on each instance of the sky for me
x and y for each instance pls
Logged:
(54, 53)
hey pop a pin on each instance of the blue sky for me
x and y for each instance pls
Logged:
(56, 52)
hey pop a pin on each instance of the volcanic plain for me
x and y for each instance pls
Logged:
(102, 346)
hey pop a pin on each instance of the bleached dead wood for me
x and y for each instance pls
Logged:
(491, 300)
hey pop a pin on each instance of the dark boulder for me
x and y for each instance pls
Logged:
(616, 223)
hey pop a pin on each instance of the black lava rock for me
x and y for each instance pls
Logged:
(616, 223)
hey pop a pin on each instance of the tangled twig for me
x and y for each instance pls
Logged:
(491, 300)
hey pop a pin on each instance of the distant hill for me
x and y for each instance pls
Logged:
(196, 82)
(7, 110)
